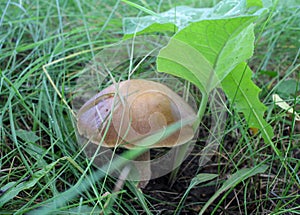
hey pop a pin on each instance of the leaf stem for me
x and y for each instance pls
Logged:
(182, 149)
(201, 110)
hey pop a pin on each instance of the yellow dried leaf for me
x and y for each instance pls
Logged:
(285, 106)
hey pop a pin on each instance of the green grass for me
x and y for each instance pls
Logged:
(36, 126)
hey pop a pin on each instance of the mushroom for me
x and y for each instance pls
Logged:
(125, 113)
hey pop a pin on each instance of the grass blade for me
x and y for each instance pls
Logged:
(200, 178)
(235, 179)
(58, 201)
(150, 12)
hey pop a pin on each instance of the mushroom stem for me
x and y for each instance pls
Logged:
(142, 165)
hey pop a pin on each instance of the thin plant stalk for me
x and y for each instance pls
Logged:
(183, 149)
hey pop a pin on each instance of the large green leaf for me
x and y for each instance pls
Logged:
(170, 20)
(210, 44)
(205, 52)
(181, 16)
(242, 92)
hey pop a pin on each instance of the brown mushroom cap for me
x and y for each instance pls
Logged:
(127, 112)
